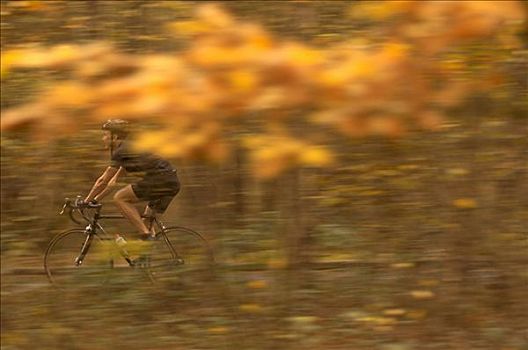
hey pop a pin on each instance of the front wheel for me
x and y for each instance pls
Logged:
(76, 258)
(180, 256)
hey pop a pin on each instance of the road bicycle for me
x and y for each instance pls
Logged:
(87, 256)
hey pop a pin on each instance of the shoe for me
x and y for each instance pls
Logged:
(148, 237)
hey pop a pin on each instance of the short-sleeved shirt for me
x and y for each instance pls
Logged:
(159, 183)
(136, 162)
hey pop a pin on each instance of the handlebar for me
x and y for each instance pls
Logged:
(79, 205)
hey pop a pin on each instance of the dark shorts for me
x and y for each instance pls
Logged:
(158, 190)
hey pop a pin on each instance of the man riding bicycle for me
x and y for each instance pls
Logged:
(158, 186)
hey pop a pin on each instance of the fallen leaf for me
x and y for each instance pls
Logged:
(251, 308)
(394, 312)
(422, 294)
(417, 314)
(218, 330)
(404, 265)
(257, 284)
(465, 203)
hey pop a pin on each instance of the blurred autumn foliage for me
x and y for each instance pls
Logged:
(231, 71)
(359, 167)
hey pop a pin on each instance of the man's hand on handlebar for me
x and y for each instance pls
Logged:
(79, 203)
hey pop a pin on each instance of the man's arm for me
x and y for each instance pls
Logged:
(110, 185)
(101, 183)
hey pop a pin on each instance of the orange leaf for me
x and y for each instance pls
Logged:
(465, 203)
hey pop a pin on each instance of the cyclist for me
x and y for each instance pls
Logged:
(158, 186)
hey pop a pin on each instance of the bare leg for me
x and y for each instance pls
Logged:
(125, 199)
(146, 220)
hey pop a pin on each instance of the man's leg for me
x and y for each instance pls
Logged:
(125, 199)
(147, 220)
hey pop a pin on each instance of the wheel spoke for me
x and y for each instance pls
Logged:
(64, 253)
(179, 255)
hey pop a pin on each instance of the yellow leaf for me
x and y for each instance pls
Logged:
(394, 51)
(328, 117)
(503, 9)
(303, 319)
(188, 27)
(372, 10)
(251, 308)
(242, 81)
(70, 94)
(383, 328)
(217, 151)
(403, 265)
(408, 167)
(422, 294)
(64, 53)
(257, 284)
(270, 169)
(417, 314)
(148, 103)
(301, 55)
(394, 312)
(257, 38)
(265, 154)
(8, 59)
(353, 126)
(214, 15)
(385, 126)
(30, 5)
(452, 65)
(430, 120)
(270, 98)
(196, 139)
(333, 77)
(336, 257)
(465, 203)
(316, 156)
(20, 117)
(457, 171)
(370, 193)
(428, 283)
(218, 330)
(170, 149)
(382, 321)
(150, 141)
(385, 321)
(277, 263)
(366, 319)
(360, 68)
(253, 141)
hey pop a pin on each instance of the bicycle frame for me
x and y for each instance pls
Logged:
(93, 225)
(155, 261)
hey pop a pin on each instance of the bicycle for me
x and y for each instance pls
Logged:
(87, 255)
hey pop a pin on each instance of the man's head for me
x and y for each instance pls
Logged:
(114, 130)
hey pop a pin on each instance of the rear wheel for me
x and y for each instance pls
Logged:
(75, 258)
(180, 256)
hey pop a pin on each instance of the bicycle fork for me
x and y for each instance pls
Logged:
(84, 248)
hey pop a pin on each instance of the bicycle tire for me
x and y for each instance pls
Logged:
(179, 255)
(65, 247)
